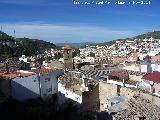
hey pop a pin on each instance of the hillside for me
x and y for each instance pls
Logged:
(155, 34)
(5, 38)
(10, 47)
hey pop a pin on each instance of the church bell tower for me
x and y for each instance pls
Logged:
(67, 57)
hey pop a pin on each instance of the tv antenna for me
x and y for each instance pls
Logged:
(14, 34)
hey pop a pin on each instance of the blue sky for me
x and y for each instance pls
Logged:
(60, 20)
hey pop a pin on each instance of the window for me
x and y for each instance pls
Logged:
(67, 51)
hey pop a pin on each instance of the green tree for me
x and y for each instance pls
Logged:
(75, 53)
(58, 56)
(92, 54)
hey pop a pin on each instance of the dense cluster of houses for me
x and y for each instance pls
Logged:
(127, 64)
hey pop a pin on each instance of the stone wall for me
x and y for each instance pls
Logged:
(131, 92)
(106, 92)
(128, 92)
(90, 99)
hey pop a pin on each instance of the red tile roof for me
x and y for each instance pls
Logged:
(26, 73)
(43, 71)
(16, 74)
(8, 76)
(154, 76)
(119, 74)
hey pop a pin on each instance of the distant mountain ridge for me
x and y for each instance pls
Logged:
(76, 45)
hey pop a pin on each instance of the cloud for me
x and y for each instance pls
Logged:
(62, 33)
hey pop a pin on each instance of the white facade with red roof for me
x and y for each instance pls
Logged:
(152, 81)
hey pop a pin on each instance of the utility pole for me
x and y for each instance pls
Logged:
(14, 34)
(1, 31)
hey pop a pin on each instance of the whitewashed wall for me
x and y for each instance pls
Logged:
(158, 68)
(34, 86)
(49, 83)
(68, 95)
(46, 85)
(25, 88)
(115, 82)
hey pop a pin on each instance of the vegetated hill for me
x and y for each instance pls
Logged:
(155, 34)
(5, 38)
(10, 47)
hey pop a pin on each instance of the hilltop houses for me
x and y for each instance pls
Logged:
(111, 77)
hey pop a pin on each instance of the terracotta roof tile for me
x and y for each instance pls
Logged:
(156, 58)
(8, 76)
(43, 71)
(22, 73)
(17, 74)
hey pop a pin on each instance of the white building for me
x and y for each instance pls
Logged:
(68, 94)
(61, 60)
(23, 58)
(88, 59)
(154, 52)
(49, 81)
(77, 59)
(74, 91)
(25, 85)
